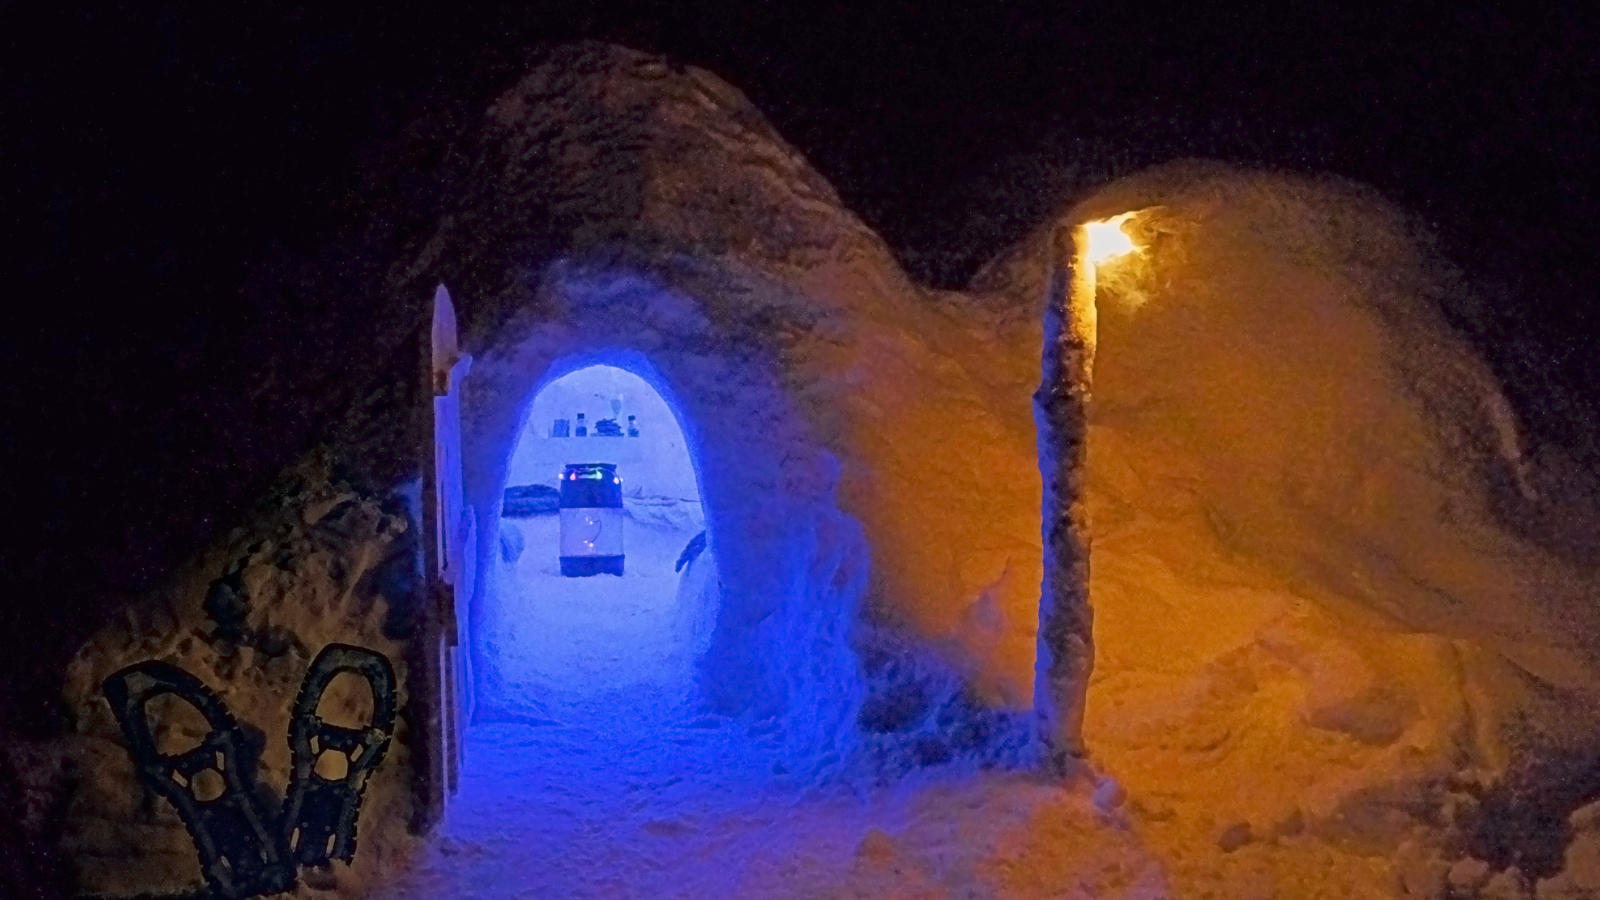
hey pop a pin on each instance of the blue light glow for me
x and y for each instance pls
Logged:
(597, 716)
(615, 715)
(564, 645)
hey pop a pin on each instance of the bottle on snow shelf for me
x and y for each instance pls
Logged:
(633, 426)
(583, 427)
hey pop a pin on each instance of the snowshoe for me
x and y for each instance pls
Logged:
(331, 763)
(212, 786)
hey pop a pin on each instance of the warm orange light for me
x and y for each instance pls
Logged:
(1107, 240)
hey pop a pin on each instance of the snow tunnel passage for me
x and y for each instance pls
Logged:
(602, 596)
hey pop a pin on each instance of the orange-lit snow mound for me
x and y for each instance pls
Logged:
(1315, 614)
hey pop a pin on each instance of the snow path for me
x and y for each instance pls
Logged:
(610, 788)
(572, 648)
(558, 812)
(600, 810)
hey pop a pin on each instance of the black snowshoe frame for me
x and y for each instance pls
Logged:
(246, 848)
(241, 852)
(319, 817)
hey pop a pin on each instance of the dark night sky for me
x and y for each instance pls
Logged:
(151, 155)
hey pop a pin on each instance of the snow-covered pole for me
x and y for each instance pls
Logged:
(1065, 654)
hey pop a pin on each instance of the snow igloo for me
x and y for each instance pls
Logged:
(1336, 628)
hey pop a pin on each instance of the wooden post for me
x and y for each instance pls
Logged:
(1065, 654)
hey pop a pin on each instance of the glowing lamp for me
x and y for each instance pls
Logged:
(1064, 657)
(591, 520)
(1107, 240)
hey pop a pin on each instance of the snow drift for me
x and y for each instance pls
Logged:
(1323, 610)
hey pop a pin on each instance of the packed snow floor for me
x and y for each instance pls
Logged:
(609, 810)
(606, 786)
(569, 646)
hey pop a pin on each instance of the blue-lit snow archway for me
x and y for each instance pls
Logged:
(628, 639)
(762, 623)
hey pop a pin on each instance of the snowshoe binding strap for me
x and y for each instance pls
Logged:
(212, 786)
(325, 790)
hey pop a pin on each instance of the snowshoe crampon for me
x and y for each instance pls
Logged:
(212, 786)
(331, 763)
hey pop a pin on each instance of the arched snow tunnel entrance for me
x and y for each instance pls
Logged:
(755, 632)
(602, 601)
